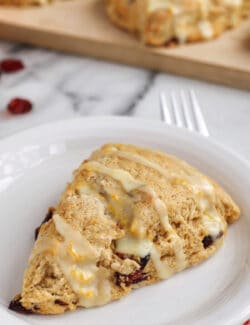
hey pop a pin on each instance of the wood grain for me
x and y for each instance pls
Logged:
(81, 27)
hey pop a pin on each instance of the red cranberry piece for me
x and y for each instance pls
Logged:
(122, 256)
(247, 322)
(133, 278)
(16, 305)
(144, 261)
(11, 65)
(136, 277)
(207, 241)
(19, 106)
(48, 216)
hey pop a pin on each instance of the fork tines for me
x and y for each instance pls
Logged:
(184, 111)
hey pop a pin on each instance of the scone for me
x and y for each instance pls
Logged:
(131, 217)
(246, 8)
(159, 22)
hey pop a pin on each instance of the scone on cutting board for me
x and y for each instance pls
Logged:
(159, 22)
(131, 217)
(25, 2)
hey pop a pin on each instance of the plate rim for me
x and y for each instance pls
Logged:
(150, 123)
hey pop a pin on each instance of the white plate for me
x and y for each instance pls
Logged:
(34, 168)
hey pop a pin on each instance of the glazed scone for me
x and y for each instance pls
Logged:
(131, 217)
(246, 8)
(159, 22)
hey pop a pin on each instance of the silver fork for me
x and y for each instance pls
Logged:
(183, 111)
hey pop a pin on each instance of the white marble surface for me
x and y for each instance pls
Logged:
(63, 86)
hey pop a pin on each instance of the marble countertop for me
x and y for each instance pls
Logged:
(63, 86)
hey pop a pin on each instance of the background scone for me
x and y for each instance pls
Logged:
(159, 22)
(25, 2)
(132, 216)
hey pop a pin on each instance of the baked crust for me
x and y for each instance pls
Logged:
(131, 217)
(160, 22)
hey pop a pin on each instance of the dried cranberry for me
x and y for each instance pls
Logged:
(19, 106)
(61, 302)
(16, 305)
(144, 261)
(133, 278)
(220, 234)
(247, 322)
(136, 277)
(46, 219)
(122, 255)
(207, 241)
(11, 65)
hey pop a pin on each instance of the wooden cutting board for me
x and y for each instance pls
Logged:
(81, 27)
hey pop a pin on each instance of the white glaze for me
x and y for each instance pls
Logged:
(133, 246)
(202, 188)
(206, 29)
(129, 245)
(77, 259)
(122, 176)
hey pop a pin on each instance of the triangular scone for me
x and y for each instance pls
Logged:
(160, 22)
(131, 217)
